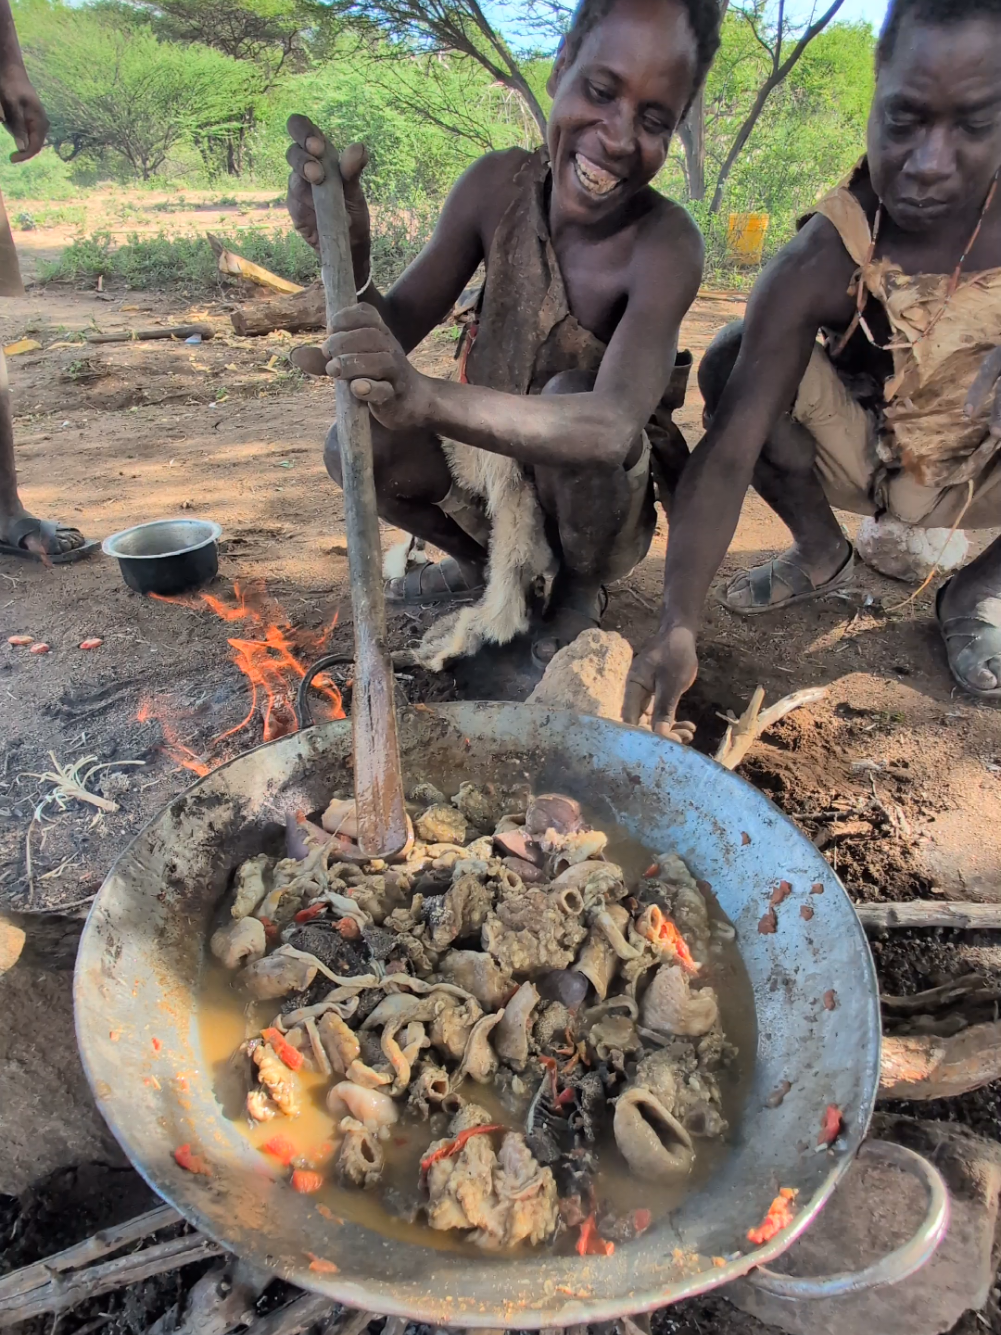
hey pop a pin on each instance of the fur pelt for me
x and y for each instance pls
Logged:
(519, 553)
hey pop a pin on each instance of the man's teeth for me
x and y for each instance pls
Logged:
(594, 179)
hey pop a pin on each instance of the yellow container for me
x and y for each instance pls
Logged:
(745, 238)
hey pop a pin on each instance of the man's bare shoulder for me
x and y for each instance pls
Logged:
(489, 182)
(810, 276)
(669, 244)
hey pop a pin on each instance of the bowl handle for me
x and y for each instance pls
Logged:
(900, 1263)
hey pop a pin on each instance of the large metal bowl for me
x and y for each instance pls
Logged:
(166, 556)
(144, 948)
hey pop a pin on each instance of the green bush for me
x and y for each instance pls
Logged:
(184, 261)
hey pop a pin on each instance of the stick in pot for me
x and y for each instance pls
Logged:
(382, 818)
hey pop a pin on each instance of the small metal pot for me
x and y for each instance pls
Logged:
(168, 555)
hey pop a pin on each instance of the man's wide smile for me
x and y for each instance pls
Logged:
(595, 180)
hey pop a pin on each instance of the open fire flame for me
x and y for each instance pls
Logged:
(268, 654)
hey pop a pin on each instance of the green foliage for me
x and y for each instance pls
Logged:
(187, 261)
(809, 135)
(195, 93)
(116, 89)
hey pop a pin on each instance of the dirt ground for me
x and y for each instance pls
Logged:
(117, 434)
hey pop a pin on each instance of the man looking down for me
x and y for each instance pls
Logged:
(900, 270)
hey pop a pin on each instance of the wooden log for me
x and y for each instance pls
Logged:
(925, 1066)
(930, 913)
(99, 1244)
(67, 1289)
(935, 998)
(232, 263)
(299, 313)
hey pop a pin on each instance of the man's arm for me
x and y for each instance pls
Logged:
(556, 430)
(804, 288)
(23, 113)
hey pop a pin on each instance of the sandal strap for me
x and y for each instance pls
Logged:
(761, 580)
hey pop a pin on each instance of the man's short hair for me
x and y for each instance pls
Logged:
(930, 11)
(703, 15)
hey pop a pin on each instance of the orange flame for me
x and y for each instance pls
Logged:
(269, 659)
(150, 708)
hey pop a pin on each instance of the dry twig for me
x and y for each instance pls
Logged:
(742, 733)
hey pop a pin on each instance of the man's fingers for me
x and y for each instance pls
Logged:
(367, 339)
(635, 701)
(311, 361)
(990, 370)
(362, 316)
(363, 366)
(301, 129)
(304, 164)
(372, 391)
(354, 160)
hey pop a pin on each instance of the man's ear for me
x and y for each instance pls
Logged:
(559, 66)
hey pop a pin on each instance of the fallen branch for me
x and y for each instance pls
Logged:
(925, 1066)
(741, 733)
(66, 1289)
(229, 262)
(930, 913)
(205, 331)
(935, 998)
(99, 1244)
(297, 314)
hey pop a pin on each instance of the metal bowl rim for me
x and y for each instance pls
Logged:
(364, 1294)
(108, 546)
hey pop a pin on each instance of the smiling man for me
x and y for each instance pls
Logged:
(539, 453)
(896, 411)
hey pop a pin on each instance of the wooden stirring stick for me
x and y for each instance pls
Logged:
(382, 817)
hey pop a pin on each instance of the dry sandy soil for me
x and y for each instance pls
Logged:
(114, 435)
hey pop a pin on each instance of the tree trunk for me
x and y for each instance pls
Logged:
(692, 133)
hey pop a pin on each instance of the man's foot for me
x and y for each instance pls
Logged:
(969, 617)
(785, 580)
(446, 581)
(43, 540)
(562, 626)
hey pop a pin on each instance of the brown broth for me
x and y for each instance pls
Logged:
(226, 1020)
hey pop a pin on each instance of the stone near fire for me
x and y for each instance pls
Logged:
(905, 552)
(587, 676)
(11, 944)
(875, 1209)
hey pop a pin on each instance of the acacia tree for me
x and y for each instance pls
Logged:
(445, 27)
(109, 89)
(782, 43)
(271, 37)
